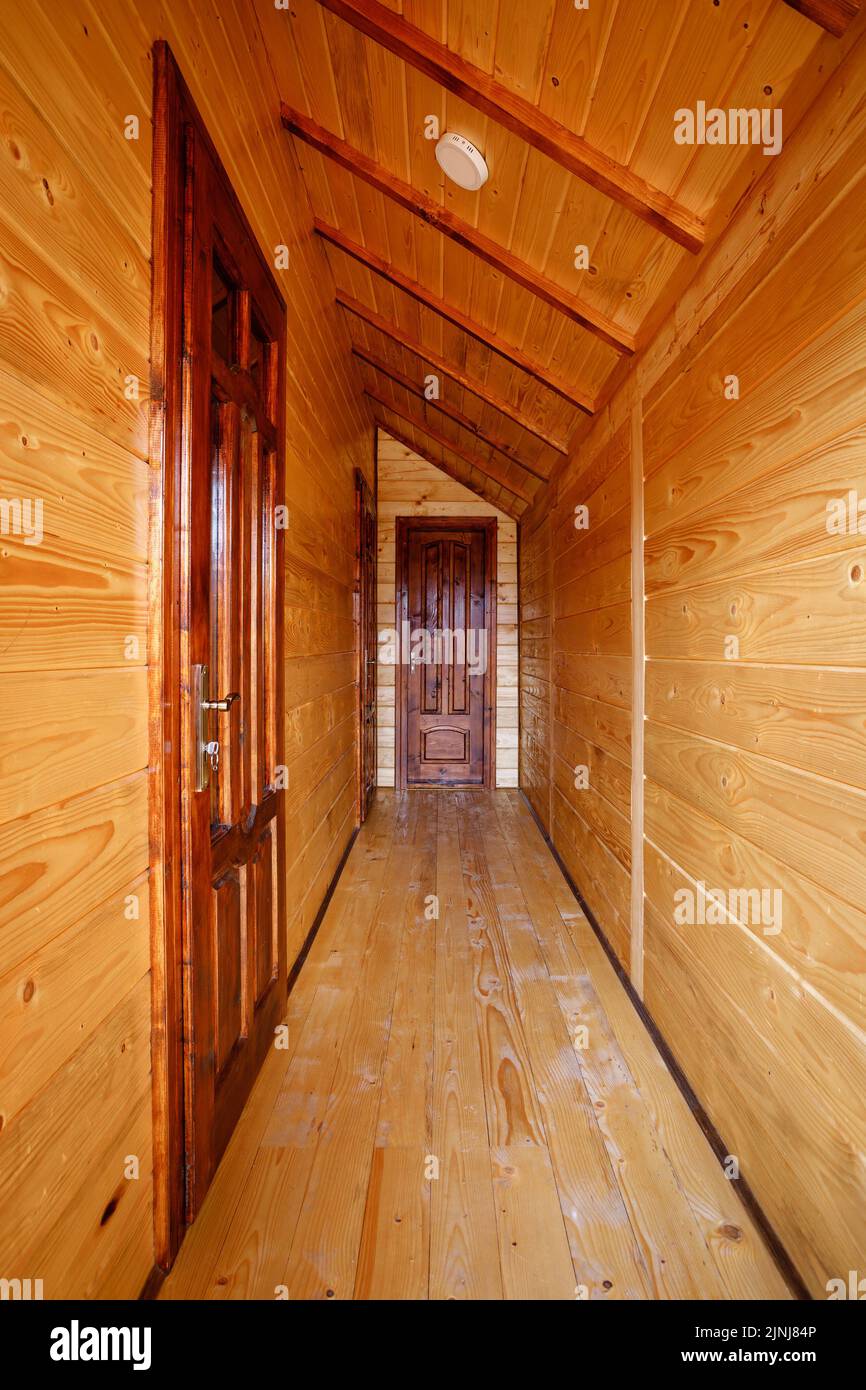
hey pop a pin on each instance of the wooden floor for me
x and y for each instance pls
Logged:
(469, 1105)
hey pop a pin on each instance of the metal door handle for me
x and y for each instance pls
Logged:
(205, 750)
(225, 703)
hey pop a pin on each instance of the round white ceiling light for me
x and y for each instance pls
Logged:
(460, 160)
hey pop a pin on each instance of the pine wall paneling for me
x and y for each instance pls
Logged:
(753, 742)
(75, 211)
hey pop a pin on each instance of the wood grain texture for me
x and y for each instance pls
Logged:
(753, 738)
(437, 1062)
(577, 671)
(76, 223)
(736, 545)
(832, 15)
(472, 460)
(570, 391)
(417, 202)
(536, 689)
(450, 369)
(522, 118)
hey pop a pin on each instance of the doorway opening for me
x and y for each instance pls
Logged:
(446, 651)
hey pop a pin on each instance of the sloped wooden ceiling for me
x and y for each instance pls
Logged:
(526, 350)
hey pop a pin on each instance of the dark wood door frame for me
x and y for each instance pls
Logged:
(487, 525)
(365, 597)
(171, 760)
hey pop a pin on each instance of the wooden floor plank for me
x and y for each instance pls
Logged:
(201, 1271)
(194, 1271)
(464, 1246)
(325, 1248)
(406, 1102)
(743, 1262)
(394, 1258)
(513, 1115)
(534, 1251)
(608, 1263)
(437, 1126)
(674, 1251)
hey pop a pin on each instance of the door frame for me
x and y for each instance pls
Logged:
(365, 602)
(489, 526)
(168, 625)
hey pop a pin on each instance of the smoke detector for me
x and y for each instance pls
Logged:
(460, 160)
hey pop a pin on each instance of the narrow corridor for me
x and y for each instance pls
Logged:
(468, 1105)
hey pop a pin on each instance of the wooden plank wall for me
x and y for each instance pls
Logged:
(591, 675)
(535, 624)
(755, 740)
(75, 211)
(576, 702)
(409, 486)
(755, 736)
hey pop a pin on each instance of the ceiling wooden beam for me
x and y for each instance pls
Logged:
(833, 15)
(463, 233)
(451, 411)
(449, 369)
(485, 466)
(444, 467)
(522, 118)
(515, 355)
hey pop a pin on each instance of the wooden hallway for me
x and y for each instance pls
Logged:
(468, 1104)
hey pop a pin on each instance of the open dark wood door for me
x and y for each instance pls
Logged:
(446, 589)
(367, 641)
(231, 601)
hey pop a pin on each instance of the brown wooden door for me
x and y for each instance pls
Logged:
(234, 908)
(447, 651)
(367, 642)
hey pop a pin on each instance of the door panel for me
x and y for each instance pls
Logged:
(265, 917)
(445, 585)
(228, 954)
(234, 911)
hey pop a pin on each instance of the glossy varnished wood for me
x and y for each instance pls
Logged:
(572, 110)
(523, 118)
(472, 461)
(463, 233)
(411, 486)
(442, 701)
(511, 352)
(450, 369)
(87, 674)
(222, 594)
(832, 15)
(365, 585)
(715, 763)
(440, 1126)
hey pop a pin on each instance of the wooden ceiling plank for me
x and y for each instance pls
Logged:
(429, 457)
(512, 354)
(523, 119)
(833, 15)
(449, 369)
(485, 466)
(463, 233)
(415, 389)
